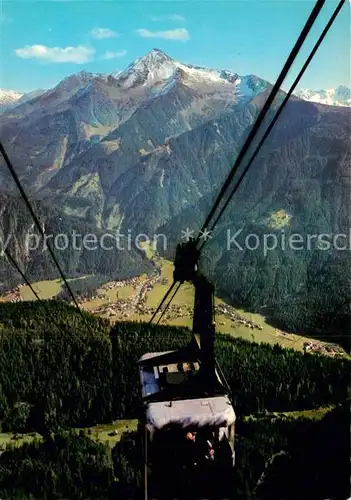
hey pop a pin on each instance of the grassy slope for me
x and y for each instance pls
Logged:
(45, 290)
(100, 433)
(97, 433)
(315, 414)
(8, 438)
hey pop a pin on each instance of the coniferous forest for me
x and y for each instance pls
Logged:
(59, 371)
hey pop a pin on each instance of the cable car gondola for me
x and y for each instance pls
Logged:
(184, 391)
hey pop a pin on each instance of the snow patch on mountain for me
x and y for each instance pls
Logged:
(199, 74)
(167, 85)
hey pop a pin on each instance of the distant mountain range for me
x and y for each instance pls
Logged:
(340, 96)
(9, 98)
(147, 149)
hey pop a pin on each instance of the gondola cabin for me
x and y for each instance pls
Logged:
(174, 405)
(188, 420)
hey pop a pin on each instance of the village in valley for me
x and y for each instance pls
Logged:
(136, 299)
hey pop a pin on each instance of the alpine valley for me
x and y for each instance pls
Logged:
(147, 149)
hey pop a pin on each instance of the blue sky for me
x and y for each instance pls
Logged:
(44, 41)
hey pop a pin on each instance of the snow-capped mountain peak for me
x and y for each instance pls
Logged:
(157, 73)
(154, 67)
(157, 68)
(155, 57)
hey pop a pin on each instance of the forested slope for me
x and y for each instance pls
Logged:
(77, 376)
(80, 373)
(276, 459)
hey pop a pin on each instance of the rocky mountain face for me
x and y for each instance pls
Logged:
(69, 238)
(81, 136)
(147, 149)
(30, 95)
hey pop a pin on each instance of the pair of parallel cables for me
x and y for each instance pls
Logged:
(255, 129)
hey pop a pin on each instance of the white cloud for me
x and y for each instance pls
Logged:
(178, 34)
(169, 17)
(113, 55)
(101, 33)
(77, 55)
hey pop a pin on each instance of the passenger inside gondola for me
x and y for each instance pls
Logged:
(198, 448)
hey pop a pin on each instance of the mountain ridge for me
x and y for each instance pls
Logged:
(156, 65)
